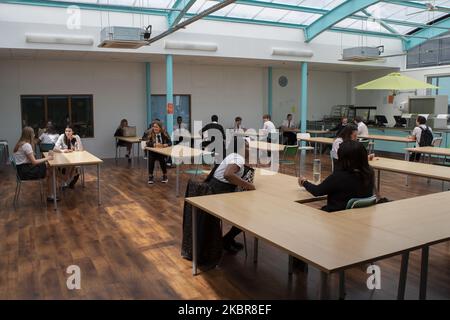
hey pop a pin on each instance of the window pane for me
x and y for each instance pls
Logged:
(181, 105)
(58, 112)
(33, 112)
(82, 116)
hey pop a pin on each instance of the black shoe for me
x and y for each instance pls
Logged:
(74, 181)
(151, 180)
(228, 246)
(165, 179)
(237, 245)
(51, 199)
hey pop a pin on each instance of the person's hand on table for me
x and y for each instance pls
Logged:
(301, 181)
(371, 156)
(250, 186)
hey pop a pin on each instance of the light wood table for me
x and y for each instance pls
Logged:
(425, 219)
(318, 141)
(179, 155)
(266, 146)
(133, 141)
(405, 140)
(443, 152)
(74, 159)
(319, 132)
(409, 168)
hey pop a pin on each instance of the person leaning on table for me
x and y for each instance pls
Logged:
(69, 142)
(28, 167)
(354, 178)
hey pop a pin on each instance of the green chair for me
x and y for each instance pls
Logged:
(365, 143)
(45, 147)
(290, 152)
(353, 204)
(19, 182)
(361, 202)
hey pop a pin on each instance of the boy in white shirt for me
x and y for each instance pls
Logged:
(421, 128)
(289, 130)
(363, 131)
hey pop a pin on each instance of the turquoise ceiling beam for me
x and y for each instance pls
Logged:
(423, 35)
(336, 15)
(89, 6)
(176, 16)
(417, 5)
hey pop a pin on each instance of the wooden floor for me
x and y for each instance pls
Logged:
(129, 248)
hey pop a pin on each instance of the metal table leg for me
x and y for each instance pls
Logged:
(255, 250)
(403, 275)
(98, 184)
(177, 188)
(194, 240)
(323, 285)
(54, 189)
(379, 180)
(424, 273)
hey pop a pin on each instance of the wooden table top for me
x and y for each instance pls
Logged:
(425, 218)
(322, 140)
(263, 145)
(76, 158)
(312, 235)
(179, 151)
(389, 138)
(431, 150)
(319, 131)
(411, 168)
(129, 139)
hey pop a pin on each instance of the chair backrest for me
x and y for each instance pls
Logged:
(46, 147)
(13, 163)
(332, 162)
(437, 142)
(302, 135)
(290, 151)
(129, 131)
(361, 202)
(365, 142)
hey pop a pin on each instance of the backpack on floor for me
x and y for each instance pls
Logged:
(426, 138)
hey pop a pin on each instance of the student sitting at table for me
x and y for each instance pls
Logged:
(340, 126)
(180, 131)
(28, 167)
(119, 133)
(230, 175)
(69, 142)
(350, 132)
(423, 136)
(158, 139)
(288, 127)
(238, 125)
(50, 136)
(363, 131)
(354, 178)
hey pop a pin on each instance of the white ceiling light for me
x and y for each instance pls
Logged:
(198, 46)
(59, 39)
(292, 53)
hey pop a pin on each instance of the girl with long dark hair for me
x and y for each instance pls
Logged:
(354, 179)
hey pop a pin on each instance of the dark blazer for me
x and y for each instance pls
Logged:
(214, 126)
(152, 140)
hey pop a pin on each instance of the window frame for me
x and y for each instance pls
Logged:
(69, 99)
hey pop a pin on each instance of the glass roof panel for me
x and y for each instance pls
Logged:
(381, 10)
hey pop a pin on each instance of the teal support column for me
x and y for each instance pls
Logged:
(148, 92)
(269, 91)
(169, 94)
(304, 96)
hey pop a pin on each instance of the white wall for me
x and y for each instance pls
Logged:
(325, 89)
(117, 89)
(119, 92)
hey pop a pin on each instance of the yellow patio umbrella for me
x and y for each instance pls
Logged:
(396, 82)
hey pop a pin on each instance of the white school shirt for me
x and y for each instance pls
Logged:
(233, 158)
(335, 148)
(286, 124)
(417, 132)
(49, 138)
(61, 145)
(20, 156)
(363, 131)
